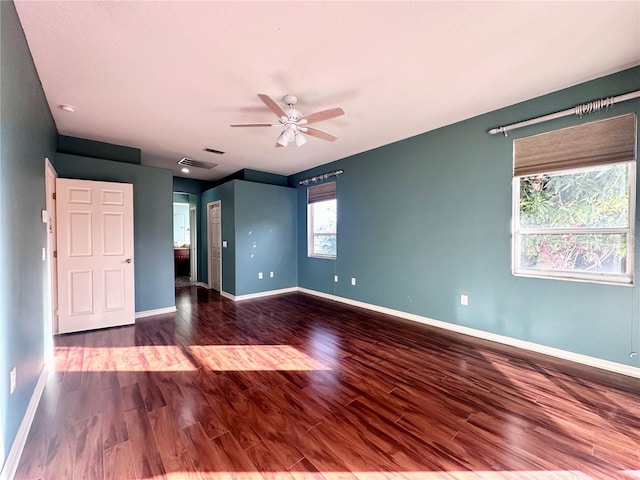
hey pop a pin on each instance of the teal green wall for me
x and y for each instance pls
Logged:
(264, 177)
(188, 185)
(259, 225)
(180, 197)
(95, 149)
(226, 194)
(424, 220)
(265, 224)
(152, 218)
(27, 136)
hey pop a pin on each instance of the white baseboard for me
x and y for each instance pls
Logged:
(227, 295)
(11, 465)
(268, 293)
(494, 337)
(200, 284)
(157, 311)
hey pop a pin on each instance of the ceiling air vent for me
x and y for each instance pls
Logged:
(189, 162)
(213, 150)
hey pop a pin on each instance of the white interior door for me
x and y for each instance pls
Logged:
(95, 254)
(215, 245)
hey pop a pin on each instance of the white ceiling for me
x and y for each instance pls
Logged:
(169, 77)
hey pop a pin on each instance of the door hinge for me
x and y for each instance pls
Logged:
(55, 254)
(53, 195)
(57, 312)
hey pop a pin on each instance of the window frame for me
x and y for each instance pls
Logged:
(626, 279)
(311, 234)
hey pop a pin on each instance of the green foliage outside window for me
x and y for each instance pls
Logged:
(597, 198)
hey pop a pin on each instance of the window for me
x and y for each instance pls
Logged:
(574, 202)
(322, 220)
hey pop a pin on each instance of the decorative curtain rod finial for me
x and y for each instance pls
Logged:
(495, 131)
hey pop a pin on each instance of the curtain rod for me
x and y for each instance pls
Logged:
(319, 178)
(580, 110)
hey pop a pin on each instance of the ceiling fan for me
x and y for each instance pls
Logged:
(294, 122)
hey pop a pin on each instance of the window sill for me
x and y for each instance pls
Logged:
(325, 257)
(618, 282)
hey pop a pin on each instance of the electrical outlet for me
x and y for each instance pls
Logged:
(270, 274)
(353, 280)
(44, 254)
(259, 275)
(464, 300)
(13, 375)
(335, 278)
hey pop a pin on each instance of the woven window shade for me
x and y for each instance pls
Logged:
(322, 192)
(596, 143)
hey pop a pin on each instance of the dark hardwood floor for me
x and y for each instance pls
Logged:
(297, 387)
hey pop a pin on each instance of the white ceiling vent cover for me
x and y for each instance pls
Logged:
(189, 162)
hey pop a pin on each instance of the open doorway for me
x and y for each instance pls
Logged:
(184, 239)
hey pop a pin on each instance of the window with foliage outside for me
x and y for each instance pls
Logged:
(322, 220)
(576, 224)
(574, 197)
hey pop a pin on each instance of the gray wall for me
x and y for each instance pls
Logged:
(152, 217)
(28, 135)
(424, 220)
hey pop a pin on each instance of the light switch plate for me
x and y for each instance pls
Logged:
(224, 244)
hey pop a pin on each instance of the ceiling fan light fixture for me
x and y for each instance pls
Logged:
(282, 139)
(300, 139)
(289, 133)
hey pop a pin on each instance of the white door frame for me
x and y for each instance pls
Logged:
(210, 206)
(52, 266)
(193, 256)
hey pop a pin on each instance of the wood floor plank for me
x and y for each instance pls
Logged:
(118, 462)
(174, 453)
(88, 463)
(146, 458)
(114, 425)
(298, 387)
(201, 451)
(61, 451)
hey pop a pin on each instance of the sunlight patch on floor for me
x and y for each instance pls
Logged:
(255, 358)
(139, 358)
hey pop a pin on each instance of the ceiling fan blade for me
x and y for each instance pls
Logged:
(254, 125)
(272, 105)
(323, 115)
(314, 132)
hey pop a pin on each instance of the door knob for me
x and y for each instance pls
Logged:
(128, 260)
